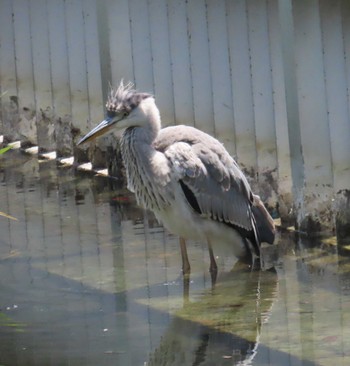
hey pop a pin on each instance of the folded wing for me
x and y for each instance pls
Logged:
(213, 184)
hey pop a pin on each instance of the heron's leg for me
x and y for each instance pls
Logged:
(186, 288)
(213, 269)
(186, 267)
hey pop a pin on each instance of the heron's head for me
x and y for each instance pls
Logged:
(125, 108)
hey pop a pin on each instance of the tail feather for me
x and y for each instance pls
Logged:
(264, 222)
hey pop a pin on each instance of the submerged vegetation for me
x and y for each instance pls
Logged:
(5, 149)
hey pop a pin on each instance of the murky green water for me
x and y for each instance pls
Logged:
(86, 278)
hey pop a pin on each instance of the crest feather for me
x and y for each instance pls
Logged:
(124, 98)
(118, 97)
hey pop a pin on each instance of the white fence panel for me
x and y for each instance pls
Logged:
(163, 83)
(60, 77)
(42, 75)
(8, 82)
(336, 43)
(313, 108)
(240, 64)
(220, 75)
(24, 70)
(200, 66)
(180, 61)
(141, 44)
(262, 97)
(93, 62)
(77, 65)
(120, 42)
(336, 90)
(284, 174)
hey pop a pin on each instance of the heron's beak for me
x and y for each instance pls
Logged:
(99, 130)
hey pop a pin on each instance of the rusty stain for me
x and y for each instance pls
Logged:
(14, 100)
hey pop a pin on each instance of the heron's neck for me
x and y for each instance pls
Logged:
(137, 145)
(149, 128)
(138, 156)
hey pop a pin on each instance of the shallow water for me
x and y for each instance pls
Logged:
(87, 278)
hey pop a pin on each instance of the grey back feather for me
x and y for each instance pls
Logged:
(204, 165)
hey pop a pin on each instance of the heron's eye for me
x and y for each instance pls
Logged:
(111, 114)
(125, 113)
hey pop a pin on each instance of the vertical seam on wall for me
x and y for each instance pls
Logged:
(32, 59)
(345, 58)
(210, 73)
(151, 47)
(68, 63)
(104, 51)
(50, 58)
(131, 44)
(171, 62)
(86, 62)
(14, 52)
(230, 68)
(256, 168)
(271, 77)
(326, 88)
(189, 37)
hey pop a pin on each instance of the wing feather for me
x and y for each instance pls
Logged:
(213, 183)
(203, 164)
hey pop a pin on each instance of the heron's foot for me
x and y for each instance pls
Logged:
(242, 266)
(256, 264)
(250, 262)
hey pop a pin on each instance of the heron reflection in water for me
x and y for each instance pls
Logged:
(187, 178)
(222, 326)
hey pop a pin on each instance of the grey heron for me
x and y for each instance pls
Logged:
(186, 177)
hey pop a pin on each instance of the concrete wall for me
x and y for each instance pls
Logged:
(268, 78)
